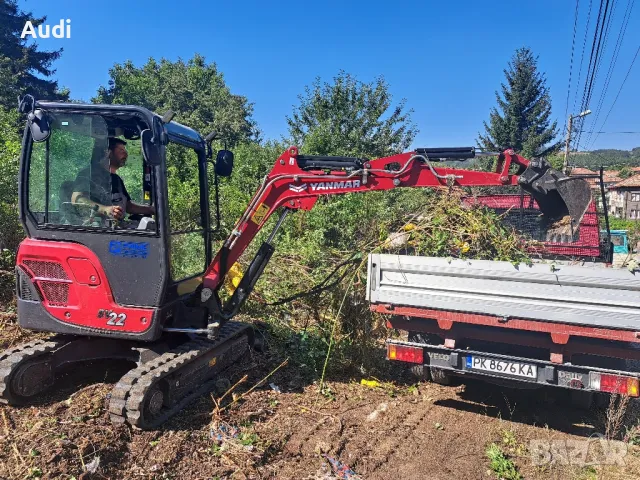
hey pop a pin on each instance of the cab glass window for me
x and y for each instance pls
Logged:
(187, 240)
(71, 182)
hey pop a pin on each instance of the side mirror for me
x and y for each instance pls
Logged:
(224, 163)
(152, 152)
(39, 125)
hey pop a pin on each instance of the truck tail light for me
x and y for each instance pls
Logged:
(615, 384)
(404, 353)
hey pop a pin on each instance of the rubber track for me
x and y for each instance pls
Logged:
(127, 397)
(13, 356)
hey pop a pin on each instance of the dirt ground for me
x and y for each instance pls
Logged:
(289, 430)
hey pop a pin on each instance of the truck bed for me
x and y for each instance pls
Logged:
(588, 295)
(571, 326)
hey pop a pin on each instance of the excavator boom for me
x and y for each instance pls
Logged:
(297, 181)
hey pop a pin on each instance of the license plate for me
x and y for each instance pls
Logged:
(505, 367)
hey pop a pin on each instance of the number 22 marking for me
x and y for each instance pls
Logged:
(117, 320)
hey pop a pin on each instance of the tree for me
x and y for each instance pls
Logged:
(11, 231)
(525, 108)
(349, 117)
(22, 64)
(195, 90)
(625, 172)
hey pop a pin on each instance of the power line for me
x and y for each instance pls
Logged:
(573, 44)
(596, 36)
(604, 38)
(589, 75)
(619, 90)
(614, 60)
(584, 44)
(600, 35)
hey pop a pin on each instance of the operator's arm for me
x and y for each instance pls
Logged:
(133, 207)
(136, 208)
(107, 210)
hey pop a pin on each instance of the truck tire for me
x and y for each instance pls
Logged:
(424, 372)
(440, 376)
(421, 372)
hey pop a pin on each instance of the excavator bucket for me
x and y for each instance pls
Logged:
(563, 200)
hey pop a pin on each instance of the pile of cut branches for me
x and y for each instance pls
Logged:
(449, 227)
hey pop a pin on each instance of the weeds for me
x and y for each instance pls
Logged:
(588, 473)
(511, 444)
(615, 415)
(632, 435)
(327, 239)
(501, 465)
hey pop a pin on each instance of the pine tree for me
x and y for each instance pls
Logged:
(525, 104)
(24, 68)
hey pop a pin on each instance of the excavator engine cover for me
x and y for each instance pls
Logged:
(563, 200)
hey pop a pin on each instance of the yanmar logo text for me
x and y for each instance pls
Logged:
(315, 187)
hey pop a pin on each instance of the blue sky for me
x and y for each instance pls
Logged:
(445, 58)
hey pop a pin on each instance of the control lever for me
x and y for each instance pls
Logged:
(92, 216)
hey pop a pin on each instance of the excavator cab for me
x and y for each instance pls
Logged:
(82, 271)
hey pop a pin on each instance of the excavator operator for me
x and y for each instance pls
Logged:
(89, 187)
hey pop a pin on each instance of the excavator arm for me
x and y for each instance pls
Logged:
(297, 181)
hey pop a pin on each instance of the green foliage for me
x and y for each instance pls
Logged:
(502, 466)
(610, 158)
(631, 226)
(349, 117)
(556, 161)
(194, 90)
(23, 67)
(625, 172)
(622, 224)
(11, 232)
(69, 152)
(525, 103)
(252, 162)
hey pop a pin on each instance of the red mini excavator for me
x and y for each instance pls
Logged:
(146, 289)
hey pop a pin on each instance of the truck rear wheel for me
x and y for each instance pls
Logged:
(425, 372)
(421, 372)
(440, 376)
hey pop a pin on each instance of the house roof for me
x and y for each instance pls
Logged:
(631, 182)
(609, 176)
(581, 171)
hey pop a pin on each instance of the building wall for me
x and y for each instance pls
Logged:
(632, 204)
(625, 203)
(617, 203)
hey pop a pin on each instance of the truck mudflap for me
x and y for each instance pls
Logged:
(516, 369)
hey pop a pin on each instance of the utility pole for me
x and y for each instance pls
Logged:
(565, 165)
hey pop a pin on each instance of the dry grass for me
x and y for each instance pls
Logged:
(615, 416)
